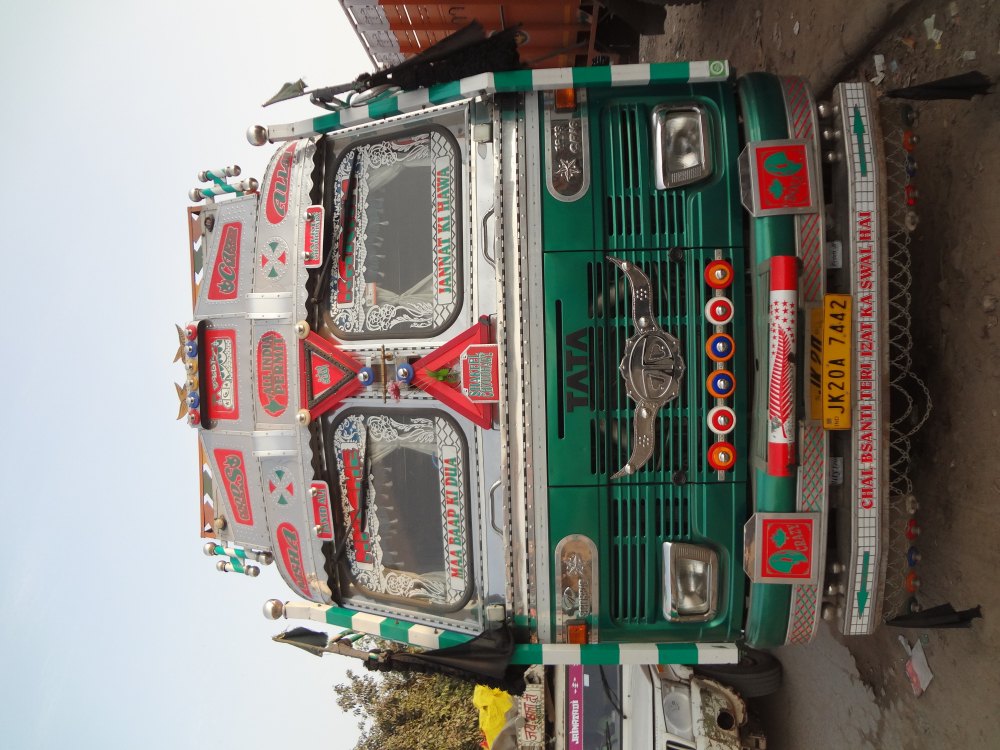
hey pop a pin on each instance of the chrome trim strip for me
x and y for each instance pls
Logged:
(534, 371)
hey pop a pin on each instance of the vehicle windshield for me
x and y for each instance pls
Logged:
(405, 502)
(593, 707)
(398, 270)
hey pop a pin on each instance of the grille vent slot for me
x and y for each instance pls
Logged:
(636, 215)
(640, 521)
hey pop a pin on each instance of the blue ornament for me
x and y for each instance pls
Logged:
(190, 350)
(721, 346)
(404, 373)
(192, 400)
(722, 384)
(366, 376)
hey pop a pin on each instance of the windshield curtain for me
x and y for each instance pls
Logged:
(404, 479)
(399, 268)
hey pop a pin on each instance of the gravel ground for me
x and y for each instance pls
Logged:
(853, 693)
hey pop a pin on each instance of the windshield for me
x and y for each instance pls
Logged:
(405, 502)
(593, 707)
(398, 273)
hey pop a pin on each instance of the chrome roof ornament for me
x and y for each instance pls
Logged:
(651, 368)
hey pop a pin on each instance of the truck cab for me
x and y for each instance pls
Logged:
(528, 351)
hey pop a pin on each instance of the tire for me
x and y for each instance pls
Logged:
(757, 674)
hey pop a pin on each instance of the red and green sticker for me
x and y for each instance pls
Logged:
(223, 394)
(321, 510)
(273, 259)
(783, 177)
(291, 556)
(234, 481)
(280, 486)
(272, 373)
(225, 281)
(276, 207)
(787, 549)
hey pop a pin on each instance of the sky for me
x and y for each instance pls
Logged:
(115, 630)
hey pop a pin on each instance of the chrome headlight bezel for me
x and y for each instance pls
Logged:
(666, 178)
(673, 553)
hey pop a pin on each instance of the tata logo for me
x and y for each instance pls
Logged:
(575, 355)
(224, 284)
(272, 373)
(278, 187)
(234, 480)
(291, 555)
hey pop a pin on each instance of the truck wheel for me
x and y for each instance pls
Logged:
(757, 674)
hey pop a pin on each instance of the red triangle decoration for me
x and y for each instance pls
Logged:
(327, 375)
(451, 394)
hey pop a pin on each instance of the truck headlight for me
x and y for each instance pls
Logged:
(681, 145)
(690, 582)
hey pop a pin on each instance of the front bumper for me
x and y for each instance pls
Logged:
(854, 216)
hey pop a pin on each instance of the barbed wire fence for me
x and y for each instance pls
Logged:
(910, 399)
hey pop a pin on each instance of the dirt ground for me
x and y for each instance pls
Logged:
(854, 693)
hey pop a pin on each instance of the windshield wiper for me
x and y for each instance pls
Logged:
(346, 210)
(362, 506)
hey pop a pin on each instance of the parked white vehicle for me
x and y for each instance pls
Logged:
(647, 707)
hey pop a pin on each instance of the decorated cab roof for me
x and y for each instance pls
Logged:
(243, 356)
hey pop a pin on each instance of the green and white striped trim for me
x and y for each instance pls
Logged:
(626, 653)
(705, 71)
(400, 631)
(424, 636)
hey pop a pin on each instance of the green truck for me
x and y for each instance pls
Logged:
(591, 357)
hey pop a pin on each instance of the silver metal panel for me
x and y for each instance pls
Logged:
(515, 408)
(501, 148)
(269, 305)
(239, 498)
(269, 443)
(482, 232)
(297, 551)
(275, 355)
(567, 146)
(225, 370)
(280, 223)
(533, 307)
(227, 276)
(863, 223)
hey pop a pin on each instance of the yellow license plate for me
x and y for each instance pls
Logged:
(836, 357)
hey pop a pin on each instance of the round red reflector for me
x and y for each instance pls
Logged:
(719, 311)
(719, 274)
(721, 420)
(722, 456)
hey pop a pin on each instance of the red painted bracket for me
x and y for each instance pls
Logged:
(451, 394)
(327, 375)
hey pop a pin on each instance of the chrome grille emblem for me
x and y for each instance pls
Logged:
(652, 367)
